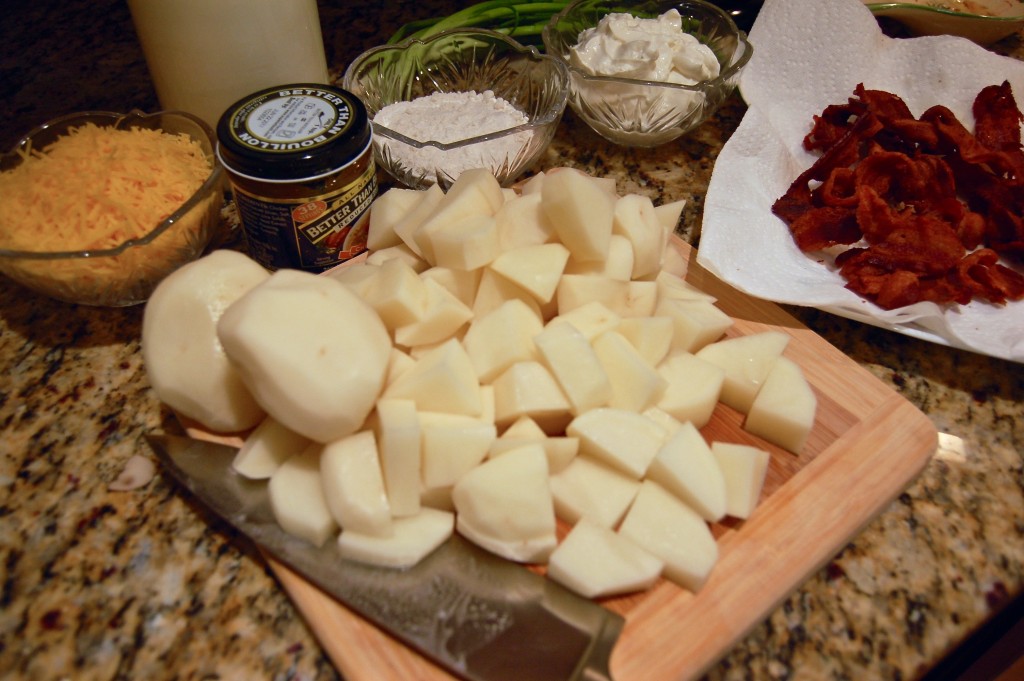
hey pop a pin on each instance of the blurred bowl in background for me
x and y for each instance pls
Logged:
(981, 21)
(460, 61)
(126, 271)
(648, 113)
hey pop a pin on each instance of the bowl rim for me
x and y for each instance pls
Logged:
(552, 114)
(118, 120)
(876, 7)
(724, 75)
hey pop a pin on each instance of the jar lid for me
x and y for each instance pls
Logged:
(293, 132)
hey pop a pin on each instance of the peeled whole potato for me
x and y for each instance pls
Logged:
(184, 359)
(313, 354)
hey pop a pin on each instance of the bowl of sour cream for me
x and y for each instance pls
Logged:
(644, 74)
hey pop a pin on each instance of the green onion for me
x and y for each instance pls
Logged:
(522, 20)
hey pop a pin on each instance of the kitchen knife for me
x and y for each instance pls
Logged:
(479, 616)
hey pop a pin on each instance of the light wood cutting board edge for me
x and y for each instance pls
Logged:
(670, 633)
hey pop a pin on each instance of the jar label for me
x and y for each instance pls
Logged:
(312, 233)
(291, 120)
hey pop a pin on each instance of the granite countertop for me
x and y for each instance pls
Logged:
(143, 584)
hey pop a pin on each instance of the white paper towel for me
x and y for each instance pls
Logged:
(809, 54)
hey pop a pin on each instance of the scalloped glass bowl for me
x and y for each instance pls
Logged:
(460, 60)
(645, 113)
(128, 273)
(982, 21)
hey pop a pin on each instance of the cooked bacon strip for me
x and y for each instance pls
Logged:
(997, 119)
(923, 193)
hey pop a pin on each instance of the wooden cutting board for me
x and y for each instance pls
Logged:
(867, 445)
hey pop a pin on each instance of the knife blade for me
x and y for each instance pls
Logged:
(477, 615)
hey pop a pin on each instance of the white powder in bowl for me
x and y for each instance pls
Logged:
(447, 117)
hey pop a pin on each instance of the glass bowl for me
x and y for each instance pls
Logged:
(982, 21)
(646, 113)
(460, 61)
(126, 273)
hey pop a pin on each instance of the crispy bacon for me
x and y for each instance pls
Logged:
(936, 205)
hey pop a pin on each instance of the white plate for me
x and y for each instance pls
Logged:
(814, 54)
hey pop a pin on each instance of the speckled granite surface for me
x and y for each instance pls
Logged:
(96, 584)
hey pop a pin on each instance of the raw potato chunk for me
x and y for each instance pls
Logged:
(641, 299)
(442, 380)
(297, 498)
(532, 185)
(670, 423)
(674, 287)
(521, 222)
(594, 561)
(669, 214)
(673, 263)
(580, 212)
(783, 411)
(529, 389)
(185, 362)
(266, 448)
(693, 388)
(357, 276)
(695, 323)
(397, 428)
(467, 244)
(407, 226)
(397, 293)
(398, 364)
(744, 469)
(525, 431)
(504, 505)
(443, 315)
(354, 485)
(559, 450)
(591, 319)
(399, 252)
(461, 284)
(622, 439)
(686, 467)
(618, 265)
(524, 427)
(385, 212)
(474, 193)
(452, 446)
(666, 527)
(311, 352)
(746, 361)
(635, 383)
(576, 290)
(495, 290)
(413, 539)
(537, 269)
(592, 490)
(572, 361)
(636, 219)
(651, 336)
(497, 340)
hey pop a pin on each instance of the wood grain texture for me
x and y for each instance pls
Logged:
(867, 445)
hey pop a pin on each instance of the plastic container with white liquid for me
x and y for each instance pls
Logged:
(203, 55)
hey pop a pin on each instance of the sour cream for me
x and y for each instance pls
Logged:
(644, 49)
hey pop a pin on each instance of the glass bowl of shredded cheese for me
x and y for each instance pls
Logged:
(643, 74)
(461, 99)
(97, 207)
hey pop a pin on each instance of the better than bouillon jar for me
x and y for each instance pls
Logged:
(300, 162)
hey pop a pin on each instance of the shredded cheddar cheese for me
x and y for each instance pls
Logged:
(93, 189)
(96, 187)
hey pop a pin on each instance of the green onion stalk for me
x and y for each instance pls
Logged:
(522, 20)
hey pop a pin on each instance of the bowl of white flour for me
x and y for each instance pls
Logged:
(462, 99)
